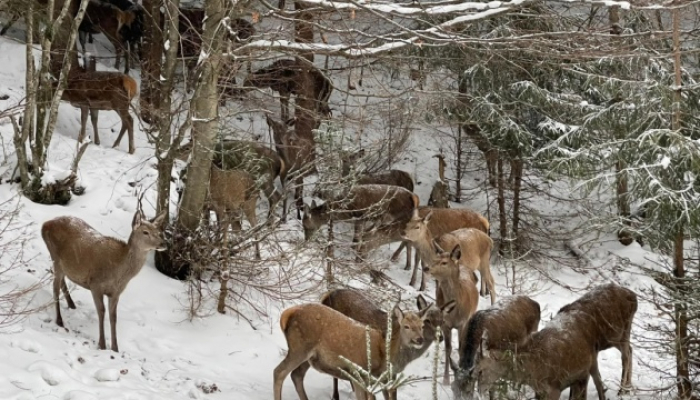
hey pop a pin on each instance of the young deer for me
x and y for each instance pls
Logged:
(92, 91)
(233, 191)
(609, 310)
(387, 208)
(505, 326)
(454, 283)
(298, 150)
(317, 336)
(356, 306)
(564, 353)
(441, 221)
(294, 77)
(101, 264)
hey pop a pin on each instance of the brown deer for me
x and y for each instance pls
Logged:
(101, 264)
(441, 221)
(394, 177)
(356, 306)
(263, 163)
(453, 284)
(505, 326)
(232, 192)
(564, 353)
(294, 77)
(92, 91)
(385, 208)
(106, 18)
(609, 310)
(317, 336)
(298, 150)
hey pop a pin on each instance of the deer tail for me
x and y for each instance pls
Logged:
(130, 86)
(484, 222)
(286, 316)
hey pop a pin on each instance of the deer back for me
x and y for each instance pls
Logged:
(358, 307)
(475, 246)
(88, 258)
(101, 90)
(392, 177)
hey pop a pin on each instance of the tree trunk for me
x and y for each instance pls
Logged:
(502, 213)
(205, 125)
(516, 172)
(304, 29)
(149, 99)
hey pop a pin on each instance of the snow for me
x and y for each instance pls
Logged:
(164, 355)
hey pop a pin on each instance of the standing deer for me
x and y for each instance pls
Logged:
(232, 192)
(505, 326)
(394, 177)
(564, 353)
(298, 150)
(385, 208)
(92, 91)
(101, 264)
(608, 311)
(294, 77)
(356, 306)
(317, 336)
(476, 244)
(109, 19)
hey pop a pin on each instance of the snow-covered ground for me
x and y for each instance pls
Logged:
(166, 356)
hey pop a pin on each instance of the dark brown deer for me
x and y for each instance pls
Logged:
(101, 264)
(441, 221)
(505, 326)
(318, 336)
(297, 148)
(92, 91)
(294, 77)
(394, 177)
(358, 307)
(564, 353)
(609, 310)
(384, 209)
(107, 18)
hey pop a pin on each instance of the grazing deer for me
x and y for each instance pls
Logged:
(386, 208)
(294, 77)
(263, 163)
(476, 244)
(107, 18)
(101, 264)
(232, 192)
(356, 306)
(298, 150)
(564, 353)
(394, 177)
(454, 284)
(317, 336)
(92, 91)
(505, 326)
(609, 310)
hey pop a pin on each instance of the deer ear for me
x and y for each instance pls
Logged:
(438, 249)
(448, 308)
(313, 204)
(305, 209)
(426, 219)
(421, 303)
(398, 314)
(136, 221)
(456, 253)
(158, 220)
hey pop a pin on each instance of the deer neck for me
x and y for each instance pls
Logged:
(426, 248)
(407, 354)
(133, 260)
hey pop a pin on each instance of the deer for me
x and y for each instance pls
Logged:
(386, 208)
(476, 244)
(564, 353)
(233, 191)
(263, 163)
(358, 307)
(506, 325)
(609, 311)
(101, 264)
(298, 150)
(394, 177)
(92, 91)
(293, 77)
(107, 18)
(441, 221)
(317, 336)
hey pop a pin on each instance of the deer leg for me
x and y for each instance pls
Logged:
(90, 38)
(409, 249)
(447, 333)
(57, 280)
(284, 102)
(66, 294)
(336, 393)
(291, 362)
(113, 301)
(626, 351)
(94, 114)
(298, 379)
(397, 253)
(421, 271)
(81, 40)
(487, 281)
(356, 238)
(127, 125)
(299, 196)
(597, 380)
(249, 210)
(84, 111)
(100, 306)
